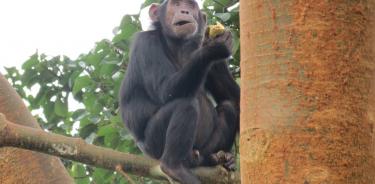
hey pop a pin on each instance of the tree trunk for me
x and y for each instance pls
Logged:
(22, 166)
(307, 100)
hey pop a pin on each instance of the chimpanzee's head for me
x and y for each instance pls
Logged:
(179, 19)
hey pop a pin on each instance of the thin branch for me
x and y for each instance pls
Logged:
(76, 149)
(123, 173)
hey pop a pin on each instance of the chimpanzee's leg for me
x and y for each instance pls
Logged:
(223, 137)
(170, 136)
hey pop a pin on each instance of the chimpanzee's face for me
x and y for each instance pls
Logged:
(182, 18)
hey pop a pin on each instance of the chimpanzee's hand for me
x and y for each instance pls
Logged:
(215, 49)
(215, 52)
(225, 38)
(211, 53)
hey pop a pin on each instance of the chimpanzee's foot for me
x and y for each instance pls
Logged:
(226, 159)
(180, 174)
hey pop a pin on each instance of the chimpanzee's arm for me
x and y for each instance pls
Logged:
(187, 81)
(219, 81)
(221, 84)
(161, 81)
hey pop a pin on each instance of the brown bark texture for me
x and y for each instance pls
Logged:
(307, 91)
(22, 166)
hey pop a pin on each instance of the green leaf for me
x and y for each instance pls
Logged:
(32, 62)
(12, 73)
(29, 77)
(128, 146)
(113, 62)
(236, 43)
(93, 59)
(117, 78)
(102, 176)
(128, 28)
(112, 140)
(87, 130)
(223, 16)
(106, 130)
(125, 135)
(91, 102)
(238, 80)
(116, 119)
(107, 70)
(79, 114)
(40, 98)
(61, 108)
(84, 122)
(80, 83)
(79, 173)
(48, 110)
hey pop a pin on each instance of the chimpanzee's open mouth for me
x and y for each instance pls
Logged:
(181, 23)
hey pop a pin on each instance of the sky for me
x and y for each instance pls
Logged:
(57, 27)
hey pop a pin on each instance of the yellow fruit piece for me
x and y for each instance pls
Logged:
(214, 30)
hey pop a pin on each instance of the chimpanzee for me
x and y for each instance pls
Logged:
(178, 98)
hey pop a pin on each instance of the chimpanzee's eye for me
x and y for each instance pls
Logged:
(192, 3)
(177, 2)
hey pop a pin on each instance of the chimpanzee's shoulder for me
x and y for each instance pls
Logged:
(146, 38)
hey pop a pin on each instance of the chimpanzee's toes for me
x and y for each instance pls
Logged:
(230, 164)
(220, 156)
(226, 159)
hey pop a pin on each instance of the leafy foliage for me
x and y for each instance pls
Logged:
(79, 97)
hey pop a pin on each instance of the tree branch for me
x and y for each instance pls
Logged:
(76, 149)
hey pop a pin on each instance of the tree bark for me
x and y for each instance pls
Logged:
(307, 91)
(78, 150)
(22, 166)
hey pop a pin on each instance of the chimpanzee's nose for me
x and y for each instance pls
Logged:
(185, 12)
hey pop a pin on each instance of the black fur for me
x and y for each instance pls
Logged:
(164, 103)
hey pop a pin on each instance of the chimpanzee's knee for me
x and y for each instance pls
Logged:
(188, 106)
(228, 110)
(180, 115)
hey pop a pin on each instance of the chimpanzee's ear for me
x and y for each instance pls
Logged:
(153, 12)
